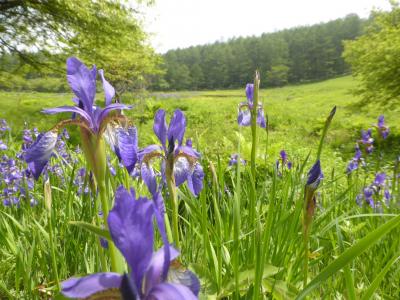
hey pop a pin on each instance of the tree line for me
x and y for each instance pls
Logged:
(301, 54)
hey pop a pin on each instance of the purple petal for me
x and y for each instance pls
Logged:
(160, 126)
(186, 278)
(168, 291)
(380, 179)
(105, 111)
(195, 180)
(314, 175)
(154, 274)
(73, 109)
(147, 153)
(149, 178)
(250, 93)
(128, 147)
(181, 170)
(82, 82)
(131, 228)
(381, 121)
(186, 150)
(109, 91)
(244, 117)
(86, 286)
(40, 152)
(261, 118)
(177, 127)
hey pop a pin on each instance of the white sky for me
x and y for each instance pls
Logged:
(183, 23)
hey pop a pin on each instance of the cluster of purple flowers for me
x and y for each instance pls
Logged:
(245, 108)
(283, 162)
(367, 144)
(235, 158)
(373, 194)
(15, 182)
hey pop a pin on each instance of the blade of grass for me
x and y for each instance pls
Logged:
(349, 255)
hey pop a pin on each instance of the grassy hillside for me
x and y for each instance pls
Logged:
(296, 115)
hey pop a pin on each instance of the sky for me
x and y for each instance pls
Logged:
(183, 23)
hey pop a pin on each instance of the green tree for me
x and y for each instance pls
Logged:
(105, 32)
(375, 57)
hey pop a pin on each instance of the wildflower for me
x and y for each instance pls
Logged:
(367, 140)
(4, 126)
(234, 160)
(382, 128)
(314, 178)
(283, 160)
(246, 108)
(92, 120)
(131, 228)
(377, 190)
(179, 162)
(355, 161)
(3, 146)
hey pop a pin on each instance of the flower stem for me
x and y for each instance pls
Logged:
(174, 199)
(115, 266)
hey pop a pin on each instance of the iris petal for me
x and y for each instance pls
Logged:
(40, 152)
(177, 127)
(149, 178)
(154, 274)
(244, 117)
(181, 170)
(131, 228)
(73, 109)
(82, 82)
(195, 180)
(128, 147)
(261, 118)
(146, 154)
(168, 291)
(160, 127)
(105, 111)
(109, 91)
(86, 286)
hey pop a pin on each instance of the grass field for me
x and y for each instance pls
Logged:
(243, 241)
(295, 114)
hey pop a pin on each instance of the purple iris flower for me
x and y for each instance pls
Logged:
(234, 160)
(182, 160)
(3, 125)
(380, 179)
(355, 161)
(382, 128)
(367, 140)
(245, 108)
(131, 228)
(3, 146)
(124, 143)
(314, 176)
(93, 120)
(284, 160)
(374, 192)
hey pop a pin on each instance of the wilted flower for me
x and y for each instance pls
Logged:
(131, 228)
(92, 121)
(246, 108)
(382, 128)
(178, 160)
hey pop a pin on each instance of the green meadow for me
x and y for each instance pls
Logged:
(242, 243)
(295, 115)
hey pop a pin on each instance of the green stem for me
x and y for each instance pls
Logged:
(115, 266)
(169, 172)
(53, 253)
